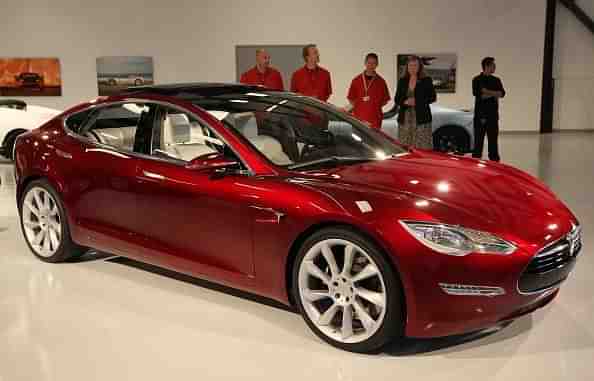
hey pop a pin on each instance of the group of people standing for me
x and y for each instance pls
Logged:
(369, 93)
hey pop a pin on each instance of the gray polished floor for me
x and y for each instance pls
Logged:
(105, 318)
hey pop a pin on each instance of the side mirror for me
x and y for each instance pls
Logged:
(212, 162)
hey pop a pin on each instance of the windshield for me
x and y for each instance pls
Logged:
(296, 132)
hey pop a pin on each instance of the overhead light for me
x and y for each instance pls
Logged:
(238, 101)
(257, 94)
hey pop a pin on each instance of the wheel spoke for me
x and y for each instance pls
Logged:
(38, 200)
(38, 238)
(54, 240)
(376, 298)
(367, 272)
(327, 316)
(54, 210)
(349, 255)
(314, 270)
(46, 243)
(32, 208)
(31, 224)
(55, 226)
(364, 317)
(347, 322)
(329, 257)
(314, 296)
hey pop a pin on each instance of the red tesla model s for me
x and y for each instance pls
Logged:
(290, 198)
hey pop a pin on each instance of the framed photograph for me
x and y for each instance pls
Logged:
(26, 77)
(115, 74)
(441, 67)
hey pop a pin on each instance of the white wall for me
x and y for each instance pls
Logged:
(194, 40)
(574, 70)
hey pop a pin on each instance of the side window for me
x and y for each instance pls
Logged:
(120, 126)
(180, 136)
(76, 121)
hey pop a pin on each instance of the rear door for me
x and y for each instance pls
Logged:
(102, 175)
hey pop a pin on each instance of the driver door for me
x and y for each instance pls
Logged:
(195, 222)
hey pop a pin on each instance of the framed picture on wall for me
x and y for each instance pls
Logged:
(27, 77)
(115, 74)
(441, 67)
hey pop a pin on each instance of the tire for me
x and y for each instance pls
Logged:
(9, 144)
(451, 139)
(56, 244)
(324, 303)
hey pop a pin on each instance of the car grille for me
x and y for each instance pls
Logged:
(552, 264)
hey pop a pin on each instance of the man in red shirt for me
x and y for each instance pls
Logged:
(369, 93)
(263, 74)
(312, 80)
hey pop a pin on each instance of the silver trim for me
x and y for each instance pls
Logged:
(575, 229)
(470, 290)
(278, 215)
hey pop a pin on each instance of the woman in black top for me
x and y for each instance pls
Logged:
(414, 94)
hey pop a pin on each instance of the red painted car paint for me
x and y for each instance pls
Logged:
(226, 229)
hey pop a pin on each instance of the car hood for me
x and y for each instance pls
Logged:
(461, 191)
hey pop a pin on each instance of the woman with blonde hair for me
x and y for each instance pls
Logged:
(414, 94)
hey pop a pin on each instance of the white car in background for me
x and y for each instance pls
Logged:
(453, 130)
(16, 117)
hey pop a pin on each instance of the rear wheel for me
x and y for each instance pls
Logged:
(451, 139)
(44, 224)
(347, 292)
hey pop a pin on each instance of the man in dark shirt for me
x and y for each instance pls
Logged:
(487, 89)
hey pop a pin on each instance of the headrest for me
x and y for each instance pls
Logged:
(180, 128)
(247, 124)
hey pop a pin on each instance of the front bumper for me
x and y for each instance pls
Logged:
(448, 295)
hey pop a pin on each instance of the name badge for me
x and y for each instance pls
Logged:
(366, 98)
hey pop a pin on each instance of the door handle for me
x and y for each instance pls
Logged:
(151, 176)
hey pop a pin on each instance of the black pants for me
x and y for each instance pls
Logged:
(489, 127)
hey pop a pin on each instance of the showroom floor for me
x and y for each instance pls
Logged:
(104, 318)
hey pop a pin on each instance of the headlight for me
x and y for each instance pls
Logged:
(456, 240)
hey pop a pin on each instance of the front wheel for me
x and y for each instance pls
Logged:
(347, 292)
(45, 225)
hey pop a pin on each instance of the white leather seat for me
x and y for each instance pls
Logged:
(183, 140)
(269, 146)
(121, 138)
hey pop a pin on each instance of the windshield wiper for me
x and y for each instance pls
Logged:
(332, 160)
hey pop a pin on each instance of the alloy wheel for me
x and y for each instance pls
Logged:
(42, 222)
(342, 290)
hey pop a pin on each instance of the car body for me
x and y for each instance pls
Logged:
(130, 80)
(220, 181)
(30, 79)
(16, 117)
(453, 130)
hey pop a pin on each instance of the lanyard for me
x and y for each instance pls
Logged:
(366, 86)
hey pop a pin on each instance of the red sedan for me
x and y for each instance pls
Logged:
(290, 198)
